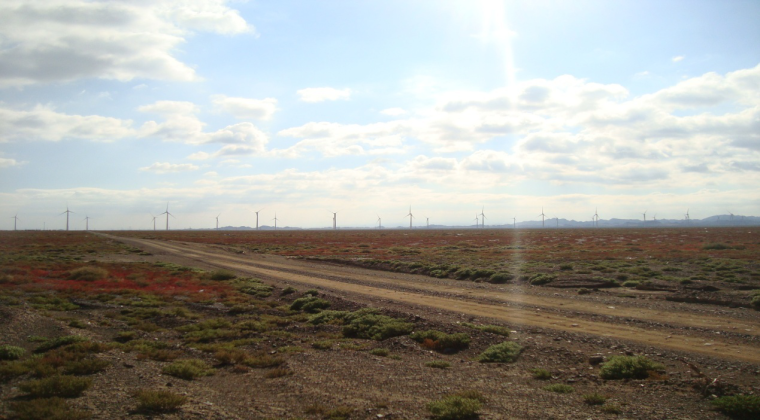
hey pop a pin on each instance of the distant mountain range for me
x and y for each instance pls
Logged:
(712, 221)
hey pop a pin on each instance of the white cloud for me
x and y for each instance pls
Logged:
(44, 41)
(43, 123)
(677, 58)
(244, 108)
(394, 112)
(7, 163)
(322, 94)
(165, 167)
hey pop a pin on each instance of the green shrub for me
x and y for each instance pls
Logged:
(481, 273)
(506, 352)
(329, 317)
(541, 278)
(739, 406)
(46, 409)
(630, 283)
(58, 342)
(500, 278)
(611, 409)
(541, 374)
(559, 388)
(341, 412)
(492, 329)
(380, 352)
(257, 289)
(374, 326)
(230, 356)
(716, 247)
(565, 267)
(263, 360)
(158, 401)
(463, 274)
(309, 304)
(311, 292)
(440, 341)
(584, 291)
(288, 290)
(85, 367)
(438, 364)
(188, 369)
(88, 273)
(634, 367)
(11, 352)
(756, 300)
(594, 399)
(322, 345)
(63, 386)
(222, 275)
(454, 407)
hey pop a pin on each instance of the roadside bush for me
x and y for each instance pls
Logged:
(188, 369)
(454, 407)
(88, 273)
(46, 409)
(584, 291)
(374, 326)
(505, 352)
(739, 406)
(756, 300)
(220, 275)
(11, 352)
(463, 274)
(440, 341)
(630, 283)
(481, 273)
(541, 374)
(633, 367)
(257, 289)
(311, 292)
(309, 304)
(63, 386)
(158, 401)
(330, 317)
(559, 388)
(541, 278)
(500, 278)
(288, 290)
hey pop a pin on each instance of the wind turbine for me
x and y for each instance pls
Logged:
(379, 222)
(655, 217)
(257, 219)
(335, 219)
(427, 223)
(154, 221)
(15, 220)
(87, 222)
(483, 217)
(411, 216)
(477, 220)
(557, 218)
(217, 221)
(596, 217)
(732, 217)
(275, 221)
(167, 215)
(67, 216)
(645, 216)
(542, 216)
(687, 215)
(514, 223)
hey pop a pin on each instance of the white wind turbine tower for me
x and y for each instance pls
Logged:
(645, 216)
(275, 221)
(379, 222)
(257, 218)
(477, 220)
(411, 216)
(542, 217)
(427, 222)
(596, 217)
(217, 221)
(732, 217)
(514, 223)
(482, 217)
(335, 219)
(154, 221)
(687, 215)
(67, 216)
(15, 220)
(87, 222)
(167, 215)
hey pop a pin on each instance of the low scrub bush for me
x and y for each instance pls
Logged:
(220, 275)
(63, 386)
(633, 367)
(230, 356)
(594, 399)
(288, 290)
(541, 278)
(630, 283)
(188, 369)
(85, 367)
(541, 374)
(58, 342)
(380, 352)
(716, 247)
(322, 344)
(375, 326)
(11, 352)
(440, 341)
(506, 352)
(559, 388)
(438, 364)
(454, 407)
(46, 409)
(311, 304)
(739, 406)
(149, 401)
(611, 409)
(584, 291)
(500, 278)
(756, 300)
(565, 267)
(263, 360)
(88, 273)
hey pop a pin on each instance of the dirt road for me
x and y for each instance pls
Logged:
(721, 336)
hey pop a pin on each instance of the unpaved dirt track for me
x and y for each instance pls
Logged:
(560, 313)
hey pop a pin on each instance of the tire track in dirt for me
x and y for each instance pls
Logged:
(674, 340)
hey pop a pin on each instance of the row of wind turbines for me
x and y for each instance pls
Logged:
(480, 219)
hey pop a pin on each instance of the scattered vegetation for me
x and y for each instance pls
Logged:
(88, 273)
(559, 388)
(63, 386)
(152, 401)
(310, 304)
(380, 352)
(59, 342)
(374, 326)
(454, 407)
(440, 341)
(188, 369)
(46, 409)
(438, 364)
(505, 352)
(541, 374)
(633, 367)
(221, 275)
(11, 352)
(594, 399)
(739, 406)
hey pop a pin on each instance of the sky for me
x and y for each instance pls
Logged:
(116, 109)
